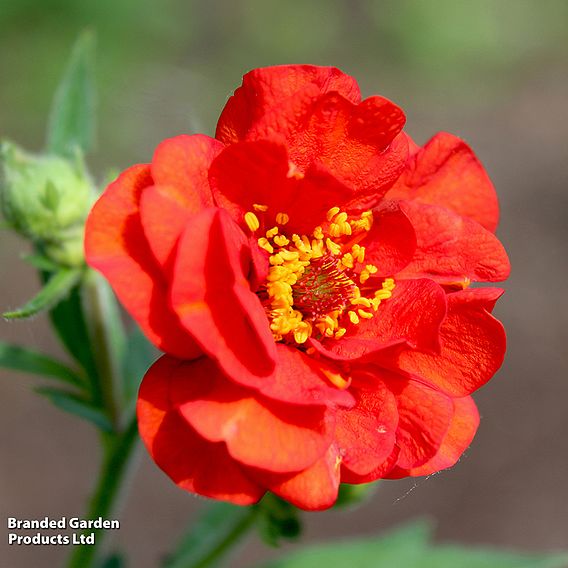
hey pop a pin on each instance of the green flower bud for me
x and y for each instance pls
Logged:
(46, 199)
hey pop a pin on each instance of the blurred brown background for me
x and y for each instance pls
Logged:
(494, 73)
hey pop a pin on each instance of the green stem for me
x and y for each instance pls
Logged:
(112, 475)
(223, 545)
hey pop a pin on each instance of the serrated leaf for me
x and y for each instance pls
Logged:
(72, 117)
(74, 404)
(200, 545)
(57, 287)
(28, 361)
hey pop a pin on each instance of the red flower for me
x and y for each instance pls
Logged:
(306, 273)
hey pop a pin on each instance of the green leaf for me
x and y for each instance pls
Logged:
(56, 288)
(74, 404)
(409, 547)
(451, 556)
(28, 361)
(68, 319)
(211, 536)
(72, 117)
(278, 520)
(41, 262)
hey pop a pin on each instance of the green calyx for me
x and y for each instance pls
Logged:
(46, 199)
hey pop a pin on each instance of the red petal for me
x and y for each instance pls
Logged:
(446, 172)
(212, 297)
(473, 345)
(459, 436)
(313, 489)
(258, 432)
(183, 162)
(191, 462)
(451, 248)
(165, 212)
(275, 95)
(424, 419)
(366, 433)
(251, 173)
(115, 245)
(391, 242)
(413, 314)
(298, 380)
(347, 476)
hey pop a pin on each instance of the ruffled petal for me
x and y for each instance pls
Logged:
(250, 173)
(259, 432)
(412, 315)
(391, 242)
(212, 297)
(446, 172)
(383, 470)
(473, 345)
(313, 489)
(458, 438)
(425, 415)
(183, 162)
(116, 246)
(193, 463)
(366, 434)
(300, 380)
(276, 96)
(453, 249)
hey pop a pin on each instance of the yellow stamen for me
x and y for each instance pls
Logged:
(252, 221)
(261, 208)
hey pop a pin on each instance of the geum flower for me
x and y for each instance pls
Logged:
(306, 274)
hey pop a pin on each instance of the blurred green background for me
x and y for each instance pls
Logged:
(493, 72)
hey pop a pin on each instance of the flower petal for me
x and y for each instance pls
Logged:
(459, 436)
(313, 489)
(473, 345)
(347, 476)
(259, 432)
(183, 162)
(413, 314)
(116, 246)
(366, 433)
(275, 95)
(446, 172)
(298, 380)
(251, 173)
(451, 248)
(212, 297)
(391, 242)
(190, 461)
(424, 419)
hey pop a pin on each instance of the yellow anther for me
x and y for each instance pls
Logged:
(361, 302)
(281, 240)
(282, 218)
(337, 379)
(340, 333)
(264, 244)
(252, 221)
(383, 294)
(258, 207)
(364, 314)
(371, 268)
(332, 213)
(271, 232)
(353, 317)
(347, 260)
(332, 247)
(276, 259)
(318, 233)
(302, 332)
(340, 218)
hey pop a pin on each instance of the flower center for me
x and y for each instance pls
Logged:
(316, 284)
